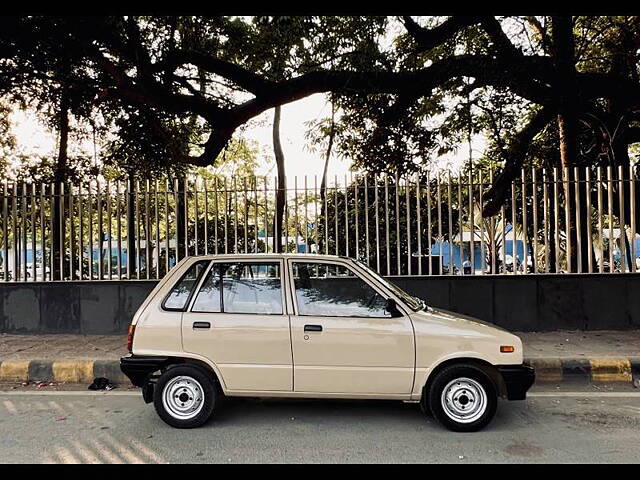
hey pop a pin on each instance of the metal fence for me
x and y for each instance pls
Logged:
(580, 220)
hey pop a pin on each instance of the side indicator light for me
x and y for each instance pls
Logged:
(507, 349)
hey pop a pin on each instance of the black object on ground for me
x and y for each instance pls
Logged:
(101, 383)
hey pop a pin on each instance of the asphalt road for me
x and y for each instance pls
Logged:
(117, 427)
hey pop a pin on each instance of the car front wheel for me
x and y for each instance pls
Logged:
(185, 397)
(463, 398)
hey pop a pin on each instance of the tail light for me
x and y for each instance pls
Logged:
(132, 329)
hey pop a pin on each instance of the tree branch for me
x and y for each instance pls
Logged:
(515, 155)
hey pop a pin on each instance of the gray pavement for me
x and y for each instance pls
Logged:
(117, 427)
(557, 344)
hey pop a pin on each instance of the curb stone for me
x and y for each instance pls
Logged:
(548, 370)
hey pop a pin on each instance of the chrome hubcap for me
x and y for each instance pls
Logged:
(464, 400)
(183, 397)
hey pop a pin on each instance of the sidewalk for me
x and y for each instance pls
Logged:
(598, 356)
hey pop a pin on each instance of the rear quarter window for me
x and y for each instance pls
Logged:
(179, 296)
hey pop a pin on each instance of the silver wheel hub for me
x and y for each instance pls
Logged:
(183, 397)
(464, 400)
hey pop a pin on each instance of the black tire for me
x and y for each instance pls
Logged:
(195, 383)
(474, 390)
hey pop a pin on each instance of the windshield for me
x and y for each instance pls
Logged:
(414, 303)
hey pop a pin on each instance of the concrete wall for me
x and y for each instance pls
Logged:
(518, 303)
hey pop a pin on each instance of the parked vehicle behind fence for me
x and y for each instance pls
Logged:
(311, 326)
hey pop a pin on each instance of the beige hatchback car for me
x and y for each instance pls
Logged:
(311, 326)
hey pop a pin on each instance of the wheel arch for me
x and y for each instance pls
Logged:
(201, 364)
(487, 367)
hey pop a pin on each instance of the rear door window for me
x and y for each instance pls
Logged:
(243, 287)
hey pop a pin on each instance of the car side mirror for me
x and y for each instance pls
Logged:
(392, 308)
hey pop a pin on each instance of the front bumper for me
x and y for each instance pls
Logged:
(517, 380)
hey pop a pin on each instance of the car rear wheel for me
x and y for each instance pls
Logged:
(463, 398)
(185, 396)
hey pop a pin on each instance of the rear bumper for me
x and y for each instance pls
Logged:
(517, 379)
(138, 368)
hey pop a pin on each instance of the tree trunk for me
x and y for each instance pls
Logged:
(323, 184)
(567, 119)
(281, 193)
(60, 175)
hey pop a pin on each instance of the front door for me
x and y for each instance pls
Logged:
(237, 319)
(343, 339)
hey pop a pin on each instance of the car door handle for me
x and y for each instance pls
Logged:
(313, 328)
(201, 325)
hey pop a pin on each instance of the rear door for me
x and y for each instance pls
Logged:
(238, 320)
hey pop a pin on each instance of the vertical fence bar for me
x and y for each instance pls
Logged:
(5, 226)
(255, 214)
(397, 209)
(472, 229)
(632, 212)
(622, 222)
(461, 209)
(109, 242)
(61, 225)
(43, 246)
(119, 228)
(375, 179)
(578, 245)
(419, 224)
(196, 212)
(588, 220)
(355, 199)
(206, 216)
(545, 200)
(534, 183)
(24, 232)
(266, 218)
(514, 236)
(429, 222)
(276, 233)
(226, 207)
(386, 223)
(366, 216)
(439, 193)
(346, 216)
(525, 249)
(235, 216)
(137, 227)
(407, 186)
(449, 201)
(567, 217)
(335, 211)
(185, 194)
(246, 217)
(483, 258)
(157, 228)
(71, 232)
(600, 226)
(81, 234)
(32, 203)
(306, 216)
(610, 209)
(556, 219)
(90, 228)
(167, 234)
(217, 211)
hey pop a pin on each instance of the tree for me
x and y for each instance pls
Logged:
(391, 93)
